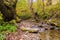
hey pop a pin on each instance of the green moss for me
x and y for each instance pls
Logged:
(54, 21)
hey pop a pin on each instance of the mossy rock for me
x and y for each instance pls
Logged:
(18, 19)
(32, 30)
(54, 21)
(24, 29)
(13, 21)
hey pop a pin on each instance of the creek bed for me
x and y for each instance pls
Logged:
(25, 35)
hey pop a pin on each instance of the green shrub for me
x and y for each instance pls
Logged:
(2, 37)
(25, 15)
(6, 28)
(49, 11)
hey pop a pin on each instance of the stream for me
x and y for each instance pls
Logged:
(29, 32)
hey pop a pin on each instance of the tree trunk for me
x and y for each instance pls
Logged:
(49, 2)
(8, 12)
(35, 15)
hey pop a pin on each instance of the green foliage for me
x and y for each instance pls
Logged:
(1, 19)
(6, 28)
(9, 2)
(1, 16)
(49, 11)
(23, 10)
(2, 37)
(53, 10)
(25, 15)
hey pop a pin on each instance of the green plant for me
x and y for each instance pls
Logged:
(6, 28)
(2, 37)
(1, 18)
(25, 15)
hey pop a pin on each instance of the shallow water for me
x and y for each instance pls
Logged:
(41, 35)
(50, 35)
(45, 34)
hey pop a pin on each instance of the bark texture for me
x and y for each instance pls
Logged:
(8, 9)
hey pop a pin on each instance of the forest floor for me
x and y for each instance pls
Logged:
(25, 35)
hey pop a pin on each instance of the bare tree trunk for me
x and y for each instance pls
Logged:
(43, 7)
(9, 12)
(35, 15)
(49, 2)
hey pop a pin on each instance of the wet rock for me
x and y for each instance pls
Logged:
(45, 25)
(30, 29)
(40, 26)
(52, 28)
(52, 24)
(46, 29)
(41, 30)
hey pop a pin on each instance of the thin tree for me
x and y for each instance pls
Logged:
(49, 2)
(35, 15)
(43, 7)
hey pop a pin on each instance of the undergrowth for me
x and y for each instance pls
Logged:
(6, 28)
